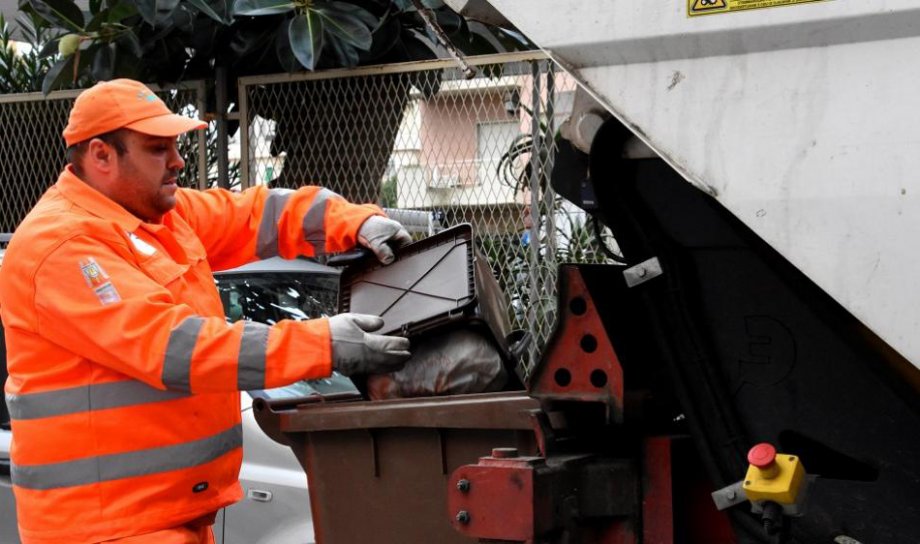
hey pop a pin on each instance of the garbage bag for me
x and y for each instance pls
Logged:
(445, 363)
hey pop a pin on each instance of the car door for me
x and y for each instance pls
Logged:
(275, 508)
(8, 532)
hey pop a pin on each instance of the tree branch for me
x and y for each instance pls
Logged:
(468, 71)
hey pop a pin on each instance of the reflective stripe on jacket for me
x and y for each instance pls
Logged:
(124, 374)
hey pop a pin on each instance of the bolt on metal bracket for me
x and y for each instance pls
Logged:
(729, 496)
(642, 272)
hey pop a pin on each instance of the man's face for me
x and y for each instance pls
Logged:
(145, 181)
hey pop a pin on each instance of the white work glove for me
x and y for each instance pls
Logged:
(356, 351)
(381, 235)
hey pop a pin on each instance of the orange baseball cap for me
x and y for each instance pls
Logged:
(123, 103)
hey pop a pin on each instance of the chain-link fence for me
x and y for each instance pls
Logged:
(32, 151)
(421, 137)
(418, 138)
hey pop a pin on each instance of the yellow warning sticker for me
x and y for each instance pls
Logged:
(711, 7)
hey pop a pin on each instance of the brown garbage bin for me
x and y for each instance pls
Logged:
(378, 471)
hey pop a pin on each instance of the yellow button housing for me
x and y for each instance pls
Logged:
(782, 488)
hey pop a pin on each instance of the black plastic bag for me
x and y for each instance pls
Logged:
(453, 362)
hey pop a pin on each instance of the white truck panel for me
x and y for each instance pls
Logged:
(802, 120)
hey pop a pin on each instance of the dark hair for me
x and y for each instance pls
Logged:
(76, 152)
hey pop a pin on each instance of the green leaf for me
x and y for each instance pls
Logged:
(50, 49)
(386, 36)
(64, 13)
(418, 46)
(121, 11)
(96, 22)
(262, 7)
(129, 42)
(347, 28)
(482, 40)
(407, 6)
(151, 9)
(306, 38)
(148, 10)
(203, 39)
(365, 16)
(248, 40)
(205, 8)
(170, 25)
(61, 72)
(104, 63)
(112, 15)
(126, 64)
(283, 48)
(345, 54)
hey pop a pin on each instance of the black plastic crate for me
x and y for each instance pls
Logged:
(436, 283)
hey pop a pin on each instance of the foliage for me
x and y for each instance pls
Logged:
(188, 148)
(388, 195)
(171, 40)
(515, 263)
(23, 71)
(167, 41)
(562, 233)
(567, 232)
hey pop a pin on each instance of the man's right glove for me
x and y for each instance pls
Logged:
(356, 351)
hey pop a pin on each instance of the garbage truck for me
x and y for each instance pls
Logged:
(749, 372)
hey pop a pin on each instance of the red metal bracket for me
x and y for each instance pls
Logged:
(579, 362)
(495, 499)
(577, 498)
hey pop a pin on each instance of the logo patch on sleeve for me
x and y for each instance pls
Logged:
(94, 275)
(98, 281)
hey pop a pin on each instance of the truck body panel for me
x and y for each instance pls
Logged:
(798, 119)
(754, 169)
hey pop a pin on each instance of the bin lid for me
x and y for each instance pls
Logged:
(431, 282)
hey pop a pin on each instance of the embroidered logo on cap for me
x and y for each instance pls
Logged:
(141, 95)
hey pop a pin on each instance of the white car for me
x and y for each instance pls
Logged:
(276, 505)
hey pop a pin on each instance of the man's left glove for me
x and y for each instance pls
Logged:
(357, 350)
(381, 235)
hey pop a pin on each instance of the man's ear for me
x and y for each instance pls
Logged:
(100, 156)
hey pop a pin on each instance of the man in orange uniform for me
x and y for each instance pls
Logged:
(124, 375)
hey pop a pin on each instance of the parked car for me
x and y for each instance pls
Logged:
(276, 506)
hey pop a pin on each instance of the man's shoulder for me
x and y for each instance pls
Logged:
(49, 226)
(187, 197)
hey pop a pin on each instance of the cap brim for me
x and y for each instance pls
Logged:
(166, 125)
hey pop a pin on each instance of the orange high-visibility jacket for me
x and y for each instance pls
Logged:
(124, 375)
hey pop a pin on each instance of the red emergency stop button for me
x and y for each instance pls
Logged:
(762, 455)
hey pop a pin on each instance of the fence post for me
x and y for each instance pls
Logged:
(201, 91)
(547, 140)
(243, 98)
(535, 212)
(223, 138)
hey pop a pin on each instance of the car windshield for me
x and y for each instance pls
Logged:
(269, 297)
